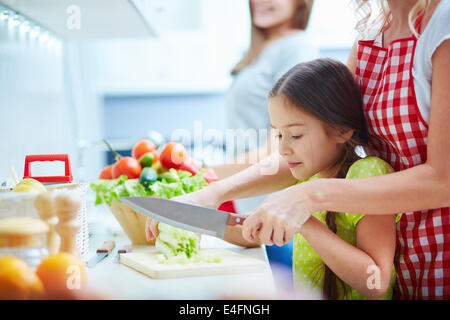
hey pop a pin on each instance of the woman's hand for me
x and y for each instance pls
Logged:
(210, 197)
(279, 217)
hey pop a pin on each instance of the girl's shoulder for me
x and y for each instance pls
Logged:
(363, 168)
(368, 167)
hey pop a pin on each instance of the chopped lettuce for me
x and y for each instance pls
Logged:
(178, 246)
(173, 241)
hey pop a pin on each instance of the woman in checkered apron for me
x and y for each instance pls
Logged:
(406, 135)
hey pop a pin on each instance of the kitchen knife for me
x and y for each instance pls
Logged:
(102, 252)
(185, 216)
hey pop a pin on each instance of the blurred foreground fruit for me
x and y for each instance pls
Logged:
(62, 275)
(18, 281)
(29, 185)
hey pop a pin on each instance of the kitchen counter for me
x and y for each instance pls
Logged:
(122, 282)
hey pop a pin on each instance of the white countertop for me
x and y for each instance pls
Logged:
(122, 282)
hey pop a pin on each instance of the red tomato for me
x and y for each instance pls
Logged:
(210, 175)
(173, 155)
(106, 173)
(141, 148)
(126, 166)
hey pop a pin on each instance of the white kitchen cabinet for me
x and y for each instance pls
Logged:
(84, 20)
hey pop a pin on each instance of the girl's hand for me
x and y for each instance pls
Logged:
(210, 196)
(279, 217)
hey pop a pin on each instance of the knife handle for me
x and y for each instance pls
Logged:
(235, 219)
(124, 249)
(107, 247)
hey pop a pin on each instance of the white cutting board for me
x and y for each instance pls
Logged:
(231, 262)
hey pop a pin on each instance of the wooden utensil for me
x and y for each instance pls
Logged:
(44, 205)
(67, 206)
(101, 253)
(124, 249)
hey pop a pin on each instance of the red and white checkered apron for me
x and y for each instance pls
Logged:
(398, 134)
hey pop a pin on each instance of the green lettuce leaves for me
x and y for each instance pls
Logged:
(170, 184)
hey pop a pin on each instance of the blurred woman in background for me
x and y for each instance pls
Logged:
(278, 42)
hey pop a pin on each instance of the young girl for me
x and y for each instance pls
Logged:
(316, 108)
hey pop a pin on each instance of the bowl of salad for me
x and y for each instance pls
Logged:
(147, 173)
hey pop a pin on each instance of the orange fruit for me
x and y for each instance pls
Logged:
(62, 275)
(18, 280)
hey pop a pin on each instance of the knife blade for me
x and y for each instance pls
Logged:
(183, 215)
(101, 253)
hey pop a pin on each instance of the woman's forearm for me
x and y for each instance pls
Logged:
(267, 176)
(414, 189)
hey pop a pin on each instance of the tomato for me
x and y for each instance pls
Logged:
(210, 175)
(106, 173)
(126, 166)
(173, 155)
(142, 147)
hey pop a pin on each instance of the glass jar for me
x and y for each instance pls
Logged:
(24, 238)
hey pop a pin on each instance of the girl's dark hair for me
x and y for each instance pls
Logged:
(326, 89)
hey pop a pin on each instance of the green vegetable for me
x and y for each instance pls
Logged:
(182, 182)
(107, 190)
(178, 246)
(169, 176)
(148, 176)
(146, 160)
(177, 240)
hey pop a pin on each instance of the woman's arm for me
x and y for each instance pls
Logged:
(372, 259)
(422, 187)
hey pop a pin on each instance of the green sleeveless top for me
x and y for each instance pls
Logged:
(308, 268)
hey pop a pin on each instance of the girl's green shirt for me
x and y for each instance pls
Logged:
(308, 268)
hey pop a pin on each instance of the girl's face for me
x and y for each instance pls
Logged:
(272, 13)
(304, 141)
